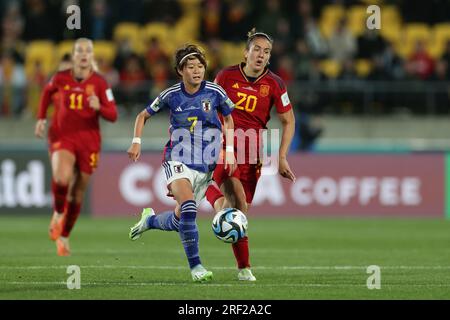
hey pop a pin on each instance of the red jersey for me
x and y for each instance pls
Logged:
(75, 120)
(53, 127)
(253, 100)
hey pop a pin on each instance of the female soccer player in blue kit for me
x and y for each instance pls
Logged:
(192, 152)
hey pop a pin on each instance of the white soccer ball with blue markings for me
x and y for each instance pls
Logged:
(230, 225)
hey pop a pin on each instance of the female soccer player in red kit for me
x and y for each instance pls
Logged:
(65, 64)
(84, 97)
(254, 89)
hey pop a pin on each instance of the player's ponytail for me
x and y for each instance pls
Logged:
(253, 34)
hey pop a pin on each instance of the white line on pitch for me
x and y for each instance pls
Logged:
(143, 284)
(230, 268)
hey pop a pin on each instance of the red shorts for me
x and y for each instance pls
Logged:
(248, 174)
(86, 158)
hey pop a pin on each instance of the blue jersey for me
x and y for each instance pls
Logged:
(195, 128)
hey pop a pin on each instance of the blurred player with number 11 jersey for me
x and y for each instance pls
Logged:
(84, 97)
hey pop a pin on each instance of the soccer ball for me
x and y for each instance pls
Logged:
(230, 225)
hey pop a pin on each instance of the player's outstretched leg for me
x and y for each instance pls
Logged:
(71, 215)
(59, 202)
(240, 248)
(63, 163)
(189, 238)
(241, 253)
(166, 221)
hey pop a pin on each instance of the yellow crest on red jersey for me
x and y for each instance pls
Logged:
(56, 145)
(264, 90)
(90, 89)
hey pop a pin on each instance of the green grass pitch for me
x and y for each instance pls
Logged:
(293, 258)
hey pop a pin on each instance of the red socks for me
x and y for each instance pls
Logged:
(240, 248)
(71, 210)
(213, 193)
(70, 217)
(241, 252)
(59, 196)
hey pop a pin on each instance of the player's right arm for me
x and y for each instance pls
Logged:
(49, 89)
(226, 106)
(134, 151)
(228, 128)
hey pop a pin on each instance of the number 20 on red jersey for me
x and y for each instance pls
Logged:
(247, 102)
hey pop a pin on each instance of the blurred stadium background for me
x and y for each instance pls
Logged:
(372, 113)
(354, 89)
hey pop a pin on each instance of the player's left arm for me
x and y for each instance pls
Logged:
(104, 103)
(288, 127)
(287, 118)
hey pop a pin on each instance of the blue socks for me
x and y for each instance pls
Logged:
(186, 226)
(189, 233)
(166, 221)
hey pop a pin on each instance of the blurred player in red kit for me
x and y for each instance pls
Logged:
(65, 64)
(254, 89)
(75, 139)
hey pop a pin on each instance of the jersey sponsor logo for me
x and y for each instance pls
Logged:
(236, 85)
(206, 104)
(109, 95)
(66, 87)
(155, 105)
(285, 99)
(178, 109)
(90, 89)
(78, 89)
(264, 90)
